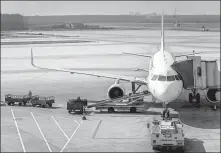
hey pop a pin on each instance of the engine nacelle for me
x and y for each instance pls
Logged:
(213, 95)
(115, 91)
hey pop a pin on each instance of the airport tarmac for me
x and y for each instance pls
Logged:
(100, 132)
(45, 130)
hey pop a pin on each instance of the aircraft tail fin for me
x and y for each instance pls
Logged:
(162, 34)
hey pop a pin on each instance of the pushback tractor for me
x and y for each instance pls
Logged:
(167, 134)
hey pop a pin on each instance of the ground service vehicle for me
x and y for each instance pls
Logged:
(132, 102)
(167, 134)
(42, 101)
(76, 104)
(20, 99)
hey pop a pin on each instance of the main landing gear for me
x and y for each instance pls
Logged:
(193, 96)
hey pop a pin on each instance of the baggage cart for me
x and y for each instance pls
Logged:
(42, 101)
(74, 105)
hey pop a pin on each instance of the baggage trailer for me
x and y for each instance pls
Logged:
(20, 99)
(42, 101)
(167, 134)
(78, 104)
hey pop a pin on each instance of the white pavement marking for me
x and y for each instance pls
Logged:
(54, 116)
(23, 147)
(41, 132)
(60, 128)
(71, 136)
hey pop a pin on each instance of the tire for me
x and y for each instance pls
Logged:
(154, 148)
(110, 110)
(20, 104)
(69, 111)
(180, 150)
(43, 106)
(190, 98)
(24, 103)
(197, 98)
(133, 109)
(50, 104)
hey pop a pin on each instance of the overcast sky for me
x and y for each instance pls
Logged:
(29, 8)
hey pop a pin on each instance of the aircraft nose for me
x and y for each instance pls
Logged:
(167, 92)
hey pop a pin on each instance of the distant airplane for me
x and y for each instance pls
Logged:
(163, 82)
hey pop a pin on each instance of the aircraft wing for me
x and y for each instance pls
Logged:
(141, 81)
(187, 54)
(138, 54)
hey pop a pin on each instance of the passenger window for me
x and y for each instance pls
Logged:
(170, 78)
(177, 77)
(162, 78)
(154, 77)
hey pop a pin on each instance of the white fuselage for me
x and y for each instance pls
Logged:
(164, 82)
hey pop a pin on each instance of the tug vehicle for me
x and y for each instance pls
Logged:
(167, 134)
(76, 104)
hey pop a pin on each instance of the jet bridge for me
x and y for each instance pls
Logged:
(200, 74)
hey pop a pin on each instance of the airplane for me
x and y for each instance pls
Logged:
(163, 82)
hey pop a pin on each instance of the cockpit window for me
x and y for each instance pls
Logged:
(162, 78)
(170, 78)
(154, 77)
(177, 77)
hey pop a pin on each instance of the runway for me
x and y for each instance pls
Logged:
(102, 54)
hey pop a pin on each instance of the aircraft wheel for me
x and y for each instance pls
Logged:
(43, 105)
(190, 98)
(69, 111)
(20, 104)
(110, 110)
(197, 98)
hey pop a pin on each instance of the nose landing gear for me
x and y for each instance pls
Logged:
(193, 96)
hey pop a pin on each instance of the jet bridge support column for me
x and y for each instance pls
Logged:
(133, 88)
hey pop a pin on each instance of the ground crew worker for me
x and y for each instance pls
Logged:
(168, 114)
(30, 93)
(84, 118)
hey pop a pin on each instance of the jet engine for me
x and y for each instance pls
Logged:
(213, 95)
(115, 91)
